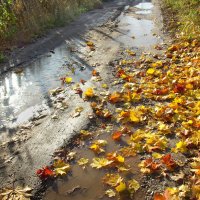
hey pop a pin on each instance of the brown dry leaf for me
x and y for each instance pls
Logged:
(17, 193)
(115, 97)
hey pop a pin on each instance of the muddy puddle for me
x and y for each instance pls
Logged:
(136, 30)
(24, 92)
(87, 184)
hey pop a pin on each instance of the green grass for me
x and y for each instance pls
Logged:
(188, 15)
(2, 58)
(22, 20)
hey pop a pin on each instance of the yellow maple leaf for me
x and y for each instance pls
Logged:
(133, 185)
(61, 168)
(181, 146)
(121, 187)
(89, 93)
(83, 162)
(156, 155)
(151, 71)
(112, 179)
(133, 116)
(97, 144)
(68, 80)
(96, 148)
(100, 162)
(157, 64)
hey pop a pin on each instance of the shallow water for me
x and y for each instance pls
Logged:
(143, 12)
(145, 5)
(136, 31)
(21, 94)
(89, 180)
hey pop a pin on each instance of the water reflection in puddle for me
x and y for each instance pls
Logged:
(136, 32)
(145, 5)
(143, 12)
(19, 92)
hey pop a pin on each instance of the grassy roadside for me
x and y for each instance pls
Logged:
(23, 20)
(183, 17)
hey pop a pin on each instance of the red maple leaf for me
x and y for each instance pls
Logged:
(45, 173)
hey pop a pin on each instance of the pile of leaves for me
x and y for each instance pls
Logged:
(155, 110)
(158, 107)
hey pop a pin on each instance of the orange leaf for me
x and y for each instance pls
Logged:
(161, 91)
(117, 135)
(115, 97)
(95, 73)
(158, 196)
(120, 73)
(168, 161)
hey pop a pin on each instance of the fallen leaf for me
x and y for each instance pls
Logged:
(117, 135)
(45, 173)
(89, 93)
(90, 44)
(100, 163)
(68, 80)
(110, 193)
(112, 179)
(134, 116)
(151, 71)
(133, 185)
(83, 81)
(169, 162)
(83, 162)
(97, 146)
(121, 187)
(115, 97)
(17, 193)
(61, 168)
(95, 73)
(158, 196)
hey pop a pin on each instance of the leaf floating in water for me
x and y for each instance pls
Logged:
(17, 193)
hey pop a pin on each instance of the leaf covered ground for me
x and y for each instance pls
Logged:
(146, 118)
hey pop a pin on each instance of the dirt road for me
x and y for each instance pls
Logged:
(119, 25)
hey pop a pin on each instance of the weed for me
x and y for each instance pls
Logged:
(2, 58)
(21, 19)
(188, 15)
